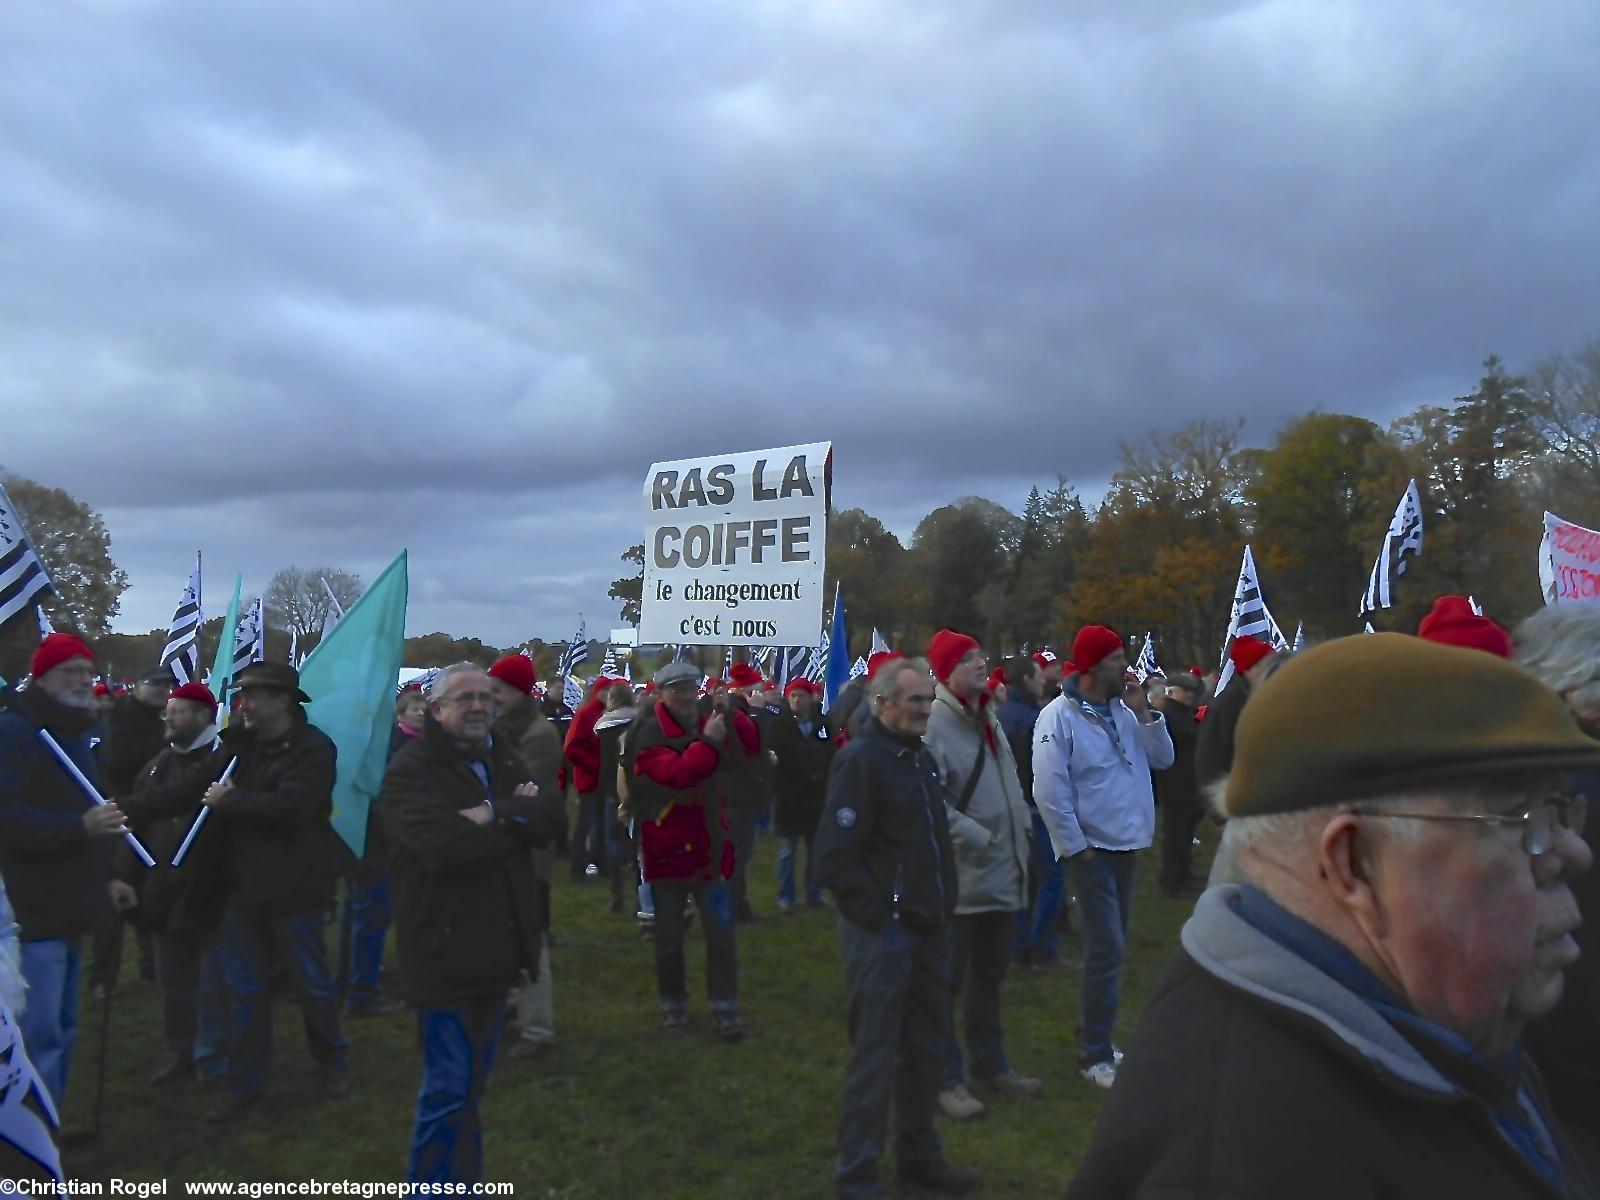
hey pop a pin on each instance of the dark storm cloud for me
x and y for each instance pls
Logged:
(306, 283)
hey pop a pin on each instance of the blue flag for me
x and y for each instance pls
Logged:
(222, 664)
(838, 652)
(350, 678)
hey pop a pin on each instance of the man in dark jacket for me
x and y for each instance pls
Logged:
(1177, 792)
(1252, 660)
(280, 858)
(460, 813)
(802, 739)
(884, 850)
(1036, 941)
(180, 905)
(1403, 913)
(54, 854)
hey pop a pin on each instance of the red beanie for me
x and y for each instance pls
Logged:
(946, 650)
(101, 689)
(743, 675)
(878, 659)
(1093, 644)
(1453, 623)
(997, 678)
(56, 649)
(516, 670)
(599, 684)
(199, 693)
(802, 685)
(1045, 658)
(1246, 652)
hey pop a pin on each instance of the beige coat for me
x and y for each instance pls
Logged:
(991, 837)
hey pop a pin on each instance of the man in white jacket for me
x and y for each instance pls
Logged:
(1093, 750)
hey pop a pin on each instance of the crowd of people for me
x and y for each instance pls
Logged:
(1380, 947)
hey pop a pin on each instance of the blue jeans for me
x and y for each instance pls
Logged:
(49, 1023)
(370, 912)
(788, 852)
(1036, 936)
(457, 1045)
(1104, 887)
(251, 942)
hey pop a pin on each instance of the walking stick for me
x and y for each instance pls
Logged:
(83, 1137)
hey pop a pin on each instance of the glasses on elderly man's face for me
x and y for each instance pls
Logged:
(1538, 819)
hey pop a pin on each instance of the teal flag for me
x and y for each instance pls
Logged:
(222, 665)
(350, 678)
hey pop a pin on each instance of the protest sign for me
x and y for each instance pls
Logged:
(1569, 563)
(735, 546)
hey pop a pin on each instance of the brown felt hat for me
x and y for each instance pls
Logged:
(1375, 713)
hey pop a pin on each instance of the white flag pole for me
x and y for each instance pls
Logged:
(92, 792)
(200, 820)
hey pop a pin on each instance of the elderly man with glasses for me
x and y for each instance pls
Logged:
(1347, 1020)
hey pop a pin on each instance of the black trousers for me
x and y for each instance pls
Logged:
(1178, 823)
(714, 902)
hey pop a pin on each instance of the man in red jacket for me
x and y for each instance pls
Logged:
(582, 750)
(670, 759)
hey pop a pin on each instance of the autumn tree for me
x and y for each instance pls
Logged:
(870, 562)
(297, 602)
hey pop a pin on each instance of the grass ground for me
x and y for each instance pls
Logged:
(617, 1109)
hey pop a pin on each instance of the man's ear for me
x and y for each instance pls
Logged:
(1344, 856)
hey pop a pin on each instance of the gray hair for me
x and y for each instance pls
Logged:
(440, 687)
(1560, 647)
(885, 685)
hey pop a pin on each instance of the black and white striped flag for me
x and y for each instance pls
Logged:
(1250, 618)
(181, 654)
(577, 651)
(1404, 537)
(817, 666)
(608, 665)
(23, 579)
(1146, 664)
(791, 665)
(249, 638)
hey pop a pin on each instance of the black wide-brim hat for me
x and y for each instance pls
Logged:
(281, 676)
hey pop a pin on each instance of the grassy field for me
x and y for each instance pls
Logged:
(618, 1109)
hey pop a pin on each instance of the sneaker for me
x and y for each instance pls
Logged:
(728, 1027)
(674, 1020)
(1101, 1074)
(940, 1176)
(1116, 1057)
(959, 1104)
(1015, 1085)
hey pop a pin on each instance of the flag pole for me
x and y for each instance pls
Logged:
(92, 792)
(200, 820)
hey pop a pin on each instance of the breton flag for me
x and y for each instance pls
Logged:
(23, 579)
(1250, 618)
(727, 664)
(249, 638)
(1145, 666)
(817, 664)
(608, 665)
(791, 665)
(572, 693)
(28, 1117)
(1403, 537)
(879, 644)
(858, 668)
(577, 651)
(181, 654)
(45, 628)
(1299, 638)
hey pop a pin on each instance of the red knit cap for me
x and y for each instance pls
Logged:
(946, 650)
(1093, 644)
(56, 649)
(768, 685)
(1453, 623)
(199, 693)
(101, 689)
(803, 685)
(877, 660)
(599, 684)
(743, 675)
(517, 671)
(997, 678)
(1045, 658)
(1246, 652)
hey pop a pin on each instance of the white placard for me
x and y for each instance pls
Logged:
(735, 546)
(1569, 563)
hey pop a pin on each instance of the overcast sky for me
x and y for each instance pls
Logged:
(310, 282)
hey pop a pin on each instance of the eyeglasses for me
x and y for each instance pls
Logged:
(1538, 819)
(484, 698)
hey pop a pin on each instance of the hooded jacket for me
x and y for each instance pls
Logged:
(1093, 789)
(1257, 1073)
(991, 837)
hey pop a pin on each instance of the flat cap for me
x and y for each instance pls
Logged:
(1374, 713)
(677, 672)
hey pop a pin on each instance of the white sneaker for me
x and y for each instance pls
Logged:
(960, 1104)
(1102, 1074)
(1116, 1057)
